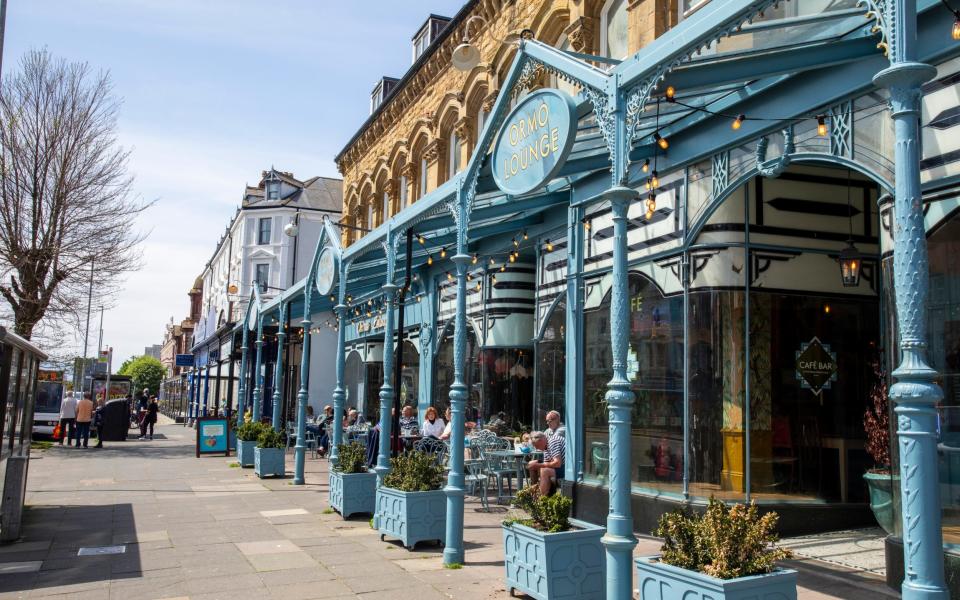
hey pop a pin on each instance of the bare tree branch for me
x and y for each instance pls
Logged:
(65, 193)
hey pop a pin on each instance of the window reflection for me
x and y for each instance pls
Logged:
(551, 365)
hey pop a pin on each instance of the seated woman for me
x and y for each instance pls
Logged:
(433, 425)
(446, 429)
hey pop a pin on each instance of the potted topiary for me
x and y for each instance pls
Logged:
(549, 555)
(268, 456)
(876, 423)
(353, 488)
(247, 435)
(728, 553)
(411, 504)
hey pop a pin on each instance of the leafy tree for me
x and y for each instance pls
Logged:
(146, 372)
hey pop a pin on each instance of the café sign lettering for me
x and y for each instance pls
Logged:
(534, 142)
(366, 326)
(816, 366)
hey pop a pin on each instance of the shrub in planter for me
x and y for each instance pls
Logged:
(247, 435)
(411, 504)
(353, 488)
(876, 423)
(268, 456)
(728, 553)
(549, 555)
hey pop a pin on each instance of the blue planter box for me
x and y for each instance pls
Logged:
(658, 581)
(245, 452)
(569, 564)
(411, 516)
(268, 461)
(352, 493)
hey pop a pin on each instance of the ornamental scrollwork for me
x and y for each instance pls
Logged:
(877, 11)
(605, 112)
(775, 166)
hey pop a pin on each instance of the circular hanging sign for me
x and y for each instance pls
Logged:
(326, 271)
(534, 141)
(252, 315)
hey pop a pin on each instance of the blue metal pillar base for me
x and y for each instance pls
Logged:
(341, 310)
(278, 370)
(619, 540)
(386, 390)
(915, 394)
(453, 552)
(300, 450)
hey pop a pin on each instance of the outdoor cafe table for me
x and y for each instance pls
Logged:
(520, 460)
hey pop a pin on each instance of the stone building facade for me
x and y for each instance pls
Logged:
(426, 127)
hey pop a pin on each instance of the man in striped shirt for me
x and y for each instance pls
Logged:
(548, 471)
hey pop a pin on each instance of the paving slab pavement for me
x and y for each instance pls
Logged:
(193, 529)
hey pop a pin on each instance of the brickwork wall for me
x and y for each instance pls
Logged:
(413, 130)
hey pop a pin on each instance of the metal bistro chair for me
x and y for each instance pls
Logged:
(475, 475)
(291, 433)
(433, 446)
(310, 440)
(499, 467)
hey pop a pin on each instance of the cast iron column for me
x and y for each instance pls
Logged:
(453, 552)
(257, 375)
(206, 387)
(278, 370)
(299, 451)
(386, 390)
(619, 540)
(916, 393)
(336, 427)
(242, 385)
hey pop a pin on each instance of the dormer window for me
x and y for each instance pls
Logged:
(427, 33)
(381, 91)
(273, 189)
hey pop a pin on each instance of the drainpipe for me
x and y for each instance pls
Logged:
(398, 373)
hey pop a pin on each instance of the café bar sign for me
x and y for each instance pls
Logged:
(816, 366)
(534, 142)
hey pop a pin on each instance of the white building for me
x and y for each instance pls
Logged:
(269, 243)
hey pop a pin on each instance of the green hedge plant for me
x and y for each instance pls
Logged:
(249, 432)
(414, 471)
(550, 514)
(726, 542)
(351, 458)
(269, 438)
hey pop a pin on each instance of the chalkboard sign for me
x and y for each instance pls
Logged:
(213, 436)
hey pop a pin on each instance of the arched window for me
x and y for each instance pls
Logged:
(551, 364)
(443, 373)
(453, 160)
(613, 29)
(385, 208)
(423, 178)
(353, 379)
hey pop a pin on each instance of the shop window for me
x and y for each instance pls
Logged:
(410, 376)
(507, 376)
(385, 208)
(404, 200)
(353, 380)
(423, 177)
(454, 152)
(943, 322)
(443, 375)
(551, 365)
(655, 370)
(263, 230)
(613, 29)
(370, 407)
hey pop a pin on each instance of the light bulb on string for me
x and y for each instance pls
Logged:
(525, 238)
(449, 276)
(478, 286)
(443, 252)
(821, 125)
(493, 279)
(654, 180)
(429, 259)
(661, 141)
(586, 224)
(469, 276)
(516, 244)
(475, 259)
(549, 245)
(955, 32)
(671, 93)
(646, 165)
(513, 258)
(492, 262)
(738, 122)
(421, 239)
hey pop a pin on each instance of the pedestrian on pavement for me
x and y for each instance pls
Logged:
(98, 420)
(68, 418)
(84, 417)
(150, 418)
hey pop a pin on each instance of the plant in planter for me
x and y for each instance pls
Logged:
(411, 504)
(353, 488)
(549, 555)
(876, 423)
(728, 553)
(247, 435)
(268, 456)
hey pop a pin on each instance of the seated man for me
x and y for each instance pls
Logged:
(550, 470)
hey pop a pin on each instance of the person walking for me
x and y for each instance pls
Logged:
(68, 418)
(150, 418)
(84, 417)
(98, 420)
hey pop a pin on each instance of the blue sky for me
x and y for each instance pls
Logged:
(215, 91)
